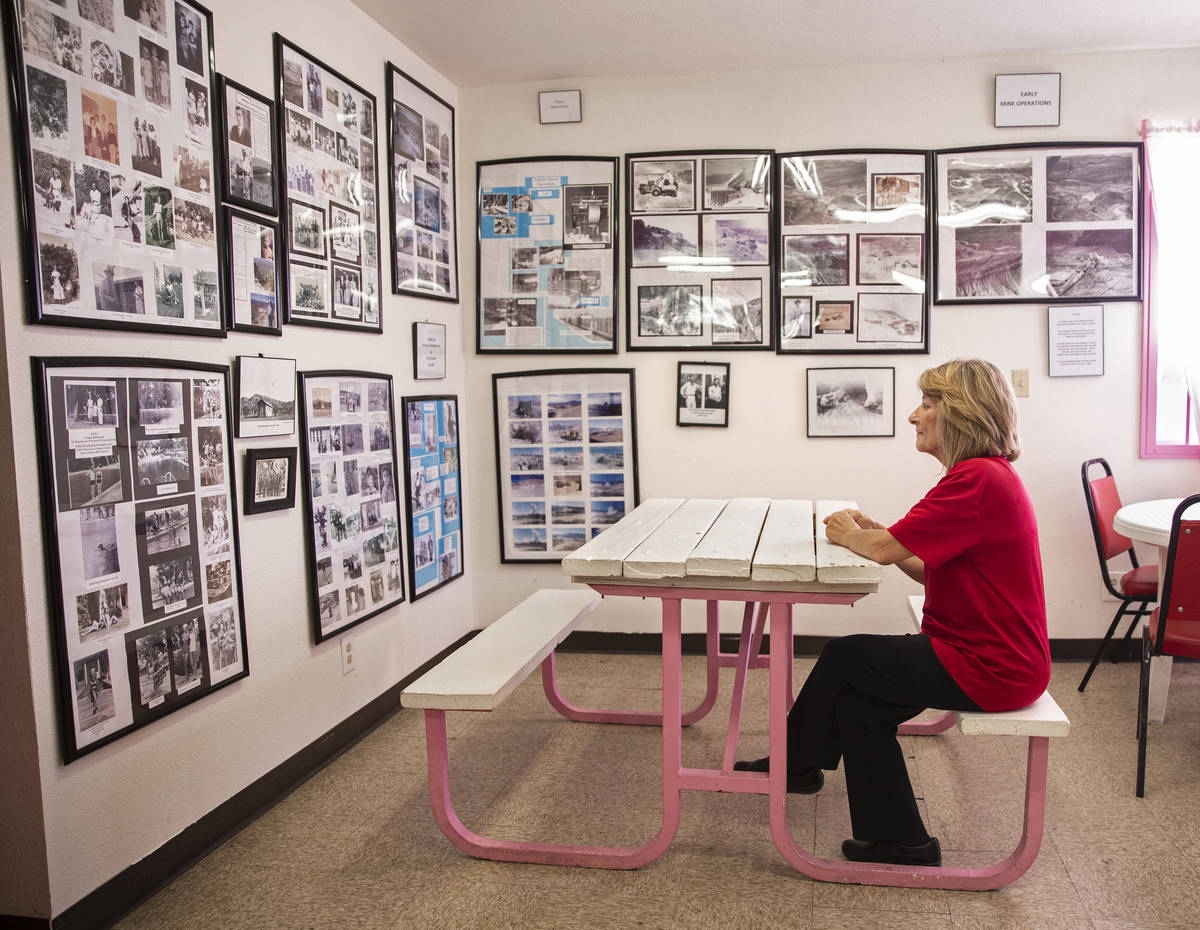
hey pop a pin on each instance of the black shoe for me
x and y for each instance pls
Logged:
(893, 851)
(808, 781)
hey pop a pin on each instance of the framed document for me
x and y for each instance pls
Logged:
(252, 277)
(248, 140)
(433, 483)
(270, 479)
(429, 351)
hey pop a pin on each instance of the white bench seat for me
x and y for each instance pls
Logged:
(486, 669)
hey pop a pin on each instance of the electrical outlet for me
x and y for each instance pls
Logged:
(347, 647)
(1020, 382)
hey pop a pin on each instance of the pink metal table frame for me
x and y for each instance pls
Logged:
(676, 778)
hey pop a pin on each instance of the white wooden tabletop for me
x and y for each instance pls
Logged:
(744, 543)
(1150, 521)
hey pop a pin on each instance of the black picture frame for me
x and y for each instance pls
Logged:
(514, 312)
(250, 270)
(130, 283)
(841, 215)
(409, 102)
(339, 169)
(242, 175)
(1039, 223)
(429, 351)
(702, 394)
(700, 218)
(850, 402)
(345, 468)
(433, 489)
(263, 493)
(265, 395)
(153, 612)
(577, 428)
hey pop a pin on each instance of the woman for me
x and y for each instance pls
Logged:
(973, 542)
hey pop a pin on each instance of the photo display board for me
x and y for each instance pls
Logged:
(349, 475)
(434, 487)
(421, 179)
(854, 252)
(566, 458)
(138, 505)
(700, 250)
(113, 110)
(1039, 224)
(248, 140)
(331, 194)
(546, 267)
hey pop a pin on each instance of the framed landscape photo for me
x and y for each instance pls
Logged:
(702, 394)
(248, 148)
(1039, 223)
(700, 250)
(270, 480)
(142, 552)
(854, 242)
(433, 485)
(566, 458)
(429, 351)
(851, 401)
(546, 265)
(115, 163)
(266, 394)
(421, 184)
(353, 510)
(252, 277)
(330, 188)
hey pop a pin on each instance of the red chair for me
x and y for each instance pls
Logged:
(1174, 628)
(1137, 589)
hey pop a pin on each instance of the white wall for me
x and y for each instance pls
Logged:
(764, 452)
(134, 795)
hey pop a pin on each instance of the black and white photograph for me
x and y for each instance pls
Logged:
(59, 270)
(670, 309)
(118, 289)
(214, 519)
(153, 667)
(47, 102)
(160, 217)
(146, 151)
(987, 261)
(890, 318)
(702, 399)
(736, 183)
(1089, 188)
(186, 644)
(93, 201)
(797, 318)
(149, 13)
(819, 191)
(307, 229)
(194, 223)
(160, 405)
(171, 584)
(426, 204)
(156, 73)
(94, 702)
(587, 215)
(309, 290)
(161, 465)
(345, 240)
(197, 109)
(662, 186)
(741, 239)
(98, 538)
(408, 137)
(210, 449)
(192, 172)
(52, 38)
(657, 240)
(188, 34)
(168, 290)
(222, 640)
(347, 291)
(266, 390)
(891, 258)
(990, 188)
(270, 480)
(851, 401)
(91, 405)
(736, 311)
(167, 527)
(54, 194)
(1090, 263)
(816, 260)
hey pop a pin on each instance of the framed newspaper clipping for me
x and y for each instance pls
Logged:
(112, 114)
(139, 517)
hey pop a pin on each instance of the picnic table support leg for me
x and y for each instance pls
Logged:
(643, 717)
(873, 873)
(739, 682)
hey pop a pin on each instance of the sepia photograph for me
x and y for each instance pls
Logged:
(889, 191)
(834, 316)
(822, 190)
(662, 186)
(851, 401)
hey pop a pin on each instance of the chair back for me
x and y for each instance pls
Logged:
(1180, 601)
(1103, 502)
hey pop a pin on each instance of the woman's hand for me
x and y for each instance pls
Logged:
(842, 522)
(859, 533)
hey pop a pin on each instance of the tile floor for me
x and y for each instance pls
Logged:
(356, 846)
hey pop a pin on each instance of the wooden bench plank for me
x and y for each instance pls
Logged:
(727, 549)
(786, 548)
(837, 564)
(486, 669)
(664, 553)
(604, 556)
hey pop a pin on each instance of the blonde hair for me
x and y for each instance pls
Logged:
(976, 410)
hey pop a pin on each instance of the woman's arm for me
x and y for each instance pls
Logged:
(859, 533)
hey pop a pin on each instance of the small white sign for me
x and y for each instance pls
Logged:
(1028, 99)
(429, 351)
(1076, 340)
(560, 106)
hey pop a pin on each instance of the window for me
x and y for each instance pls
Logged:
(1171, 334)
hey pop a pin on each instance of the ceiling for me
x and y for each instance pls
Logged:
(478, 42)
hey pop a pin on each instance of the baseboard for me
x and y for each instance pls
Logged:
(10, 922)
(122, 893)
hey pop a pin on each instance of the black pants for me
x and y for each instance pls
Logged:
(861, 689)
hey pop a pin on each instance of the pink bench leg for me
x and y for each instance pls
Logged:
(866, 873)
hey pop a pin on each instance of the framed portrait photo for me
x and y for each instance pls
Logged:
(266, 394)
(421, 185)
(139, 516)
(327, 137)
(270, 480)
(851, 401)
(853, 227)
(702, 394)
(433, 484)
(429, 351)
(248, 148)
(353, 510)
(566, 458)
(252, 277)
(1039, 223)
(112, 117)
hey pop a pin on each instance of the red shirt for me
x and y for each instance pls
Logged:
(985, 608)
